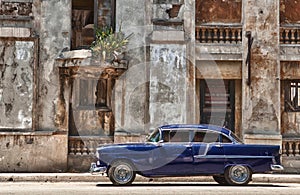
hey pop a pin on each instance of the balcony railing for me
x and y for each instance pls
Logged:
(290, 147)
(290, 35)
(86, 145)
(231, 34)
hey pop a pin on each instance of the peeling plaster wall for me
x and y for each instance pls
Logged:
(218, 11)
(16, 84)
(261, 100)
(289, 11)
(167, 84)
(55, 30)
(152, 91)
(33, 152)
(130, 91)
(40, 32)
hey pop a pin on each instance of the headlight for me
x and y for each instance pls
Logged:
(97, 155)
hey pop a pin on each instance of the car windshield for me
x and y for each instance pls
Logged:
(154, 136)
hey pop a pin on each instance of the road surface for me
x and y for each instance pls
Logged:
(80, 188)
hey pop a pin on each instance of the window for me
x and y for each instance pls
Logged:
(87, 14)
(206, 137)
(94, 94)
(211, 137)
(292, 96)
(176, 136)
(83, 20)
(154, 136)
(217, 102)
(225, 139)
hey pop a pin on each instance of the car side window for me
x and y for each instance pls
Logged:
(166, 136)
(199, 136)
(176, 136)
(206, 136)
(211, 137)
(225, 139)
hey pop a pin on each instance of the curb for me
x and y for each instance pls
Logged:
(87, 177)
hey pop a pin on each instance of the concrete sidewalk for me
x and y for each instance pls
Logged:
(87, 177)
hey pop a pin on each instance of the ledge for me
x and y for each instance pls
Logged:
(218, 51)
(170, 22)
(289, 52)
(30, 133)
(171, 36)
(91, 138)
(16, 18)
(18, 32)
(75, 54)
(266, 139)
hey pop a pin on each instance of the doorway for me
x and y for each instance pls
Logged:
(217, 102)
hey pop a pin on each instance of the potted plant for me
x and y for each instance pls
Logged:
(109, 46)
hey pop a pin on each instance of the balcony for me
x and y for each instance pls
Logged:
(290, 35)
(289, 43)
(219, 42)
(230, 34)
(290, 147)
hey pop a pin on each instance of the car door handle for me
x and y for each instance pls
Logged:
(219, 146)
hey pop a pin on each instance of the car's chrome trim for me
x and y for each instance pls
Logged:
(277, 168)
(229, 156)
(94, 169)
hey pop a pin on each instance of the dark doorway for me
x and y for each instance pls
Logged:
(217, 102)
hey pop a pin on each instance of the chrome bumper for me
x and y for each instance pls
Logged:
(277, 168)
(98, 170)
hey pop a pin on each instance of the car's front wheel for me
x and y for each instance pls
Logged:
(238, 175)
(121, 173)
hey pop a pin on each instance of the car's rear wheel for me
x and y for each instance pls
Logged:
(220, 180)
(238, 175)
(121, 173)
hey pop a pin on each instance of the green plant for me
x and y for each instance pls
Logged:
(109, 45)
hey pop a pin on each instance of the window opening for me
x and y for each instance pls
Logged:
(292, 96)
(87, 15)
(93, 93)
(176, 136)
(217, 102)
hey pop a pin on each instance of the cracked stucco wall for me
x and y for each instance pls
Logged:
(130, 91)
(27, 125)
(16, 84)
(261, 99)
(167, 84)
(55, 31)
(32, 152)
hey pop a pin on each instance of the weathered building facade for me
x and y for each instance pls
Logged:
(232, 63)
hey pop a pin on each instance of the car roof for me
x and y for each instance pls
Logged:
(196, 126)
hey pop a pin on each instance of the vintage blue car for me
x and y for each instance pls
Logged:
(187, 150)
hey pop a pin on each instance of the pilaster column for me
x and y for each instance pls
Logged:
(261, 72)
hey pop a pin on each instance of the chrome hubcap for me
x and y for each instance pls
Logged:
(123, 173)
(239, 174)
